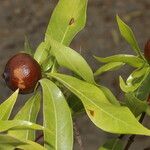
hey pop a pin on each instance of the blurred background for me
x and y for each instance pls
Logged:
(100, 37)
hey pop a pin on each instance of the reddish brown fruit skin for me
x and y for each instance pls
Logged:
(147, 50)
(23, 72)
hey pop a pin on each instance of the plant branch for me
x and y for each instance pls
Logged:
(121, 136)
(78, 136)
(132, 137)
(39, 137)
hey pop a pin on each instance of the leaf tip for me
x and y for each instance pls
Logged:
(117, 16)
(17, 91)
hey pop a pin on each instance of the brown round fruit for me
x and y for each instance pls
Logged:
(147, 50)
(23, 72)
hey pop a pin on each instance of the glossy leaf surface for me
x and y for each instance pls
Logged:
(127, 33)
(41, 53)
(72, 60)
(7, 106)
(128, 59)
(129, 87)
(67, 20)
(111, 118)
(31, 146)
(57, 118)
(112, 99)
(28, 112)
(109, 67)
(19, 124)
(8, 142)
(143, 91)
(136, 106)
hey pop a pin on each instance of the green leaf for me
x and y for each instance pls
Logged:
(41, 52)
(67, 20)
(127, 33)
(88, 89)
(72, 60)
(13, 142)
(143, 91)
(57, 118)
(48, 63)
(19, 124)
(132, 87)
(136, 106)
(112, 144)
(7, 139)
(6, 147)
(31, 146)
(128, 88)
(75, 104)
(28, 112)
(128, 59)
(136, 75)
(7, 106)
(110, 118)
(112, 99)
(109, 67)
(27, 47)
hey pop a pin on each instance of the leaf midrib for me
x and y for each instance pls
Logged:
(94, 103)
(11, 102)
(43, 50)
(74, 68)
(55, 113)
(30, 112)
(67, 28)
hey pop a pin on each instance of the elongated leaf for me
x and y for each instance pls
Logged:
(7, 139)
(132, 87)
(41, 53)
(109, 67)
(28, 112)
(75, 104)
(128, 59)
(43, 57)
(7, 106)
(111, 118)
(127, 33)
(88, 89)
(67, 20)
(143, 91)
(136, 75)
(112, 144)
(57, 118)
(6, 147)
(13, 142)
(135, 105)
(48, 63)
(72, 60)
(128, 88)
(31, 146)
(19, 124)
(112, 99)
